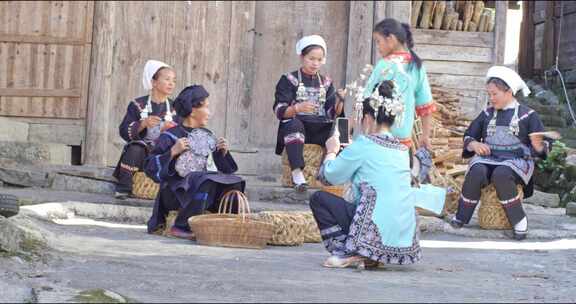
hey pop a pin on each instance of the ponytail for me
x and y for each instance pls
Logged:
(402, 32)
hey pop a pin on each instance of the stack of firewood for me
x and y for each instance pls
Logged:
(467, 16)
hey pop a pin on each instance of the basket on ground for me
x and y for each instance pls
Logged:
(231, 230)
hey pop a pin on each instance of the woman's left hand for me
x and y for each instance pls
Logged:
(222, 145)
(333, 143)
(424, 141)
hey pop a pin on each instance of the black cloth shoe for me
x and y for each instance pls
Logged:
(516, 235)
(456, 223)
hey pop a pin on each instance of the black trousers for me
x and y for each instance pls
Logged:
(299, 131)
(207, 198)
(334, 216)
(131, 161)
(504, 180)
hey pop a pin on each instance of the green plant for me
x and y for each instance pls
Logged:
(556, 159)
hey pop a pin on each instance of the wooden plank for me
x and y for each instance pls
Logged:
(460, 68)
(500, 32)
(399, 10)
(40, 92)
(84, 60)
(240, 74)
(526, 50)
(100, 90)
(17, 106)
(359, 48)
(456, 81)
(453, 38)
(453, 53)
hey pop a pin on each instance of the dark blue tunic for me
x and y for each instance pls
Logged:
(161, 168)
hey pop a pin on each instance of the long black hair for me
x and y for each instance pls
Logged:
(385, 90)
(402, 32)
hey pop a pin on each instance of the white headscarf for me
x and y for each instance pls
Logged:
(311, 40)
(151, 67)
(510, 77)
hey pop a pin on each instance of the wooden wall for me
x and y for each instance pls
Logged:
(540, 34)
(238, 50)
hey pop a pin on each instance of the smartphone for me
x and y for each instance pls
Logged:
(344, 129)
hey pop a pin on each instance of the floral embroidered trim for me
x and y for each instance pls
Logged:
(402, 57)
(426, 109)
(292, 79)
(294, 138)
(365, 240)
(129, 168)
(133, 129)
(387, 142)
(278, 107)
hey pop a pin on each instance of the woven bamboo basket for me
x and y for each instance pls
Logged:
(313, 155)
(291, 228)
(491, 214)
(143, 186)
(225, 229)
(288, 227)
(451, 203)
(311, 231)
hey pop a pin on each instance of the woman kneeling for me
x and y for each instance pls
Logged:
(379, 226)
(503, 140)
(183, 163)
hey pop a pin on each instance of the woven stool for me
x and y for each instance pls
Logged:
(491, 214)
(144, 187)
(313, 155)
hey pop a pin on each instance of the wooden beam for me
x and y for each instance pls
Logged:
(39, 92)
(500, 32)
(359, 48)
(16, 38)
(548, 46)
(240, 73)
(453, 38)
(100, 89)
(399, 10)
(453, 53)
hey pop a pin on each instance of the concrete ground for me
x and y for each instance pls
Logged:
(120, 258)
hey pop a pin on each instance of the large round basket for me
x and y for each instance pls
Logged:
(225, 229)
(291, 228)
(288, 227)
(313, 155)
(491, 214)
(143, 186)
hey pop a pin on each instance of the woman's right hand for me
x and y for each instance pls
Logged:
(480, 148)
(180, 146)
(305, 107)
(151, 121)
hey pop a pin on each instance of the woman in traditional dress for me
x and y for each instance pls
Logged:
(145, 119)
(306, 106)
(400, 63)
(380, 224)
(503, 142)
(193, 167)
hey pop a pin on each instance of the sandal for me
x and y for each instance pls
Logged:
(301, 187)
(342, 262)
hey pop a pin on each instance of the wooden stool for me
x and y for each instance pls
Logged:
(491, 214)
(144, 187)
(313, 155)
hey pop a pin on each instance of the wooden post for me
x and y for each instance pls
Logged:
(548, 43)
(380, 8)
(360, 25)
(100, 89)
(240, 74)
(500, 32)
(427, 11)
(526, 54)
(399, 10)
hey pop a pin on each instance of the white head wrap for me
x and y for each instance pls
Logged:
(510, 77)
(311, 40)
(151, 67)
